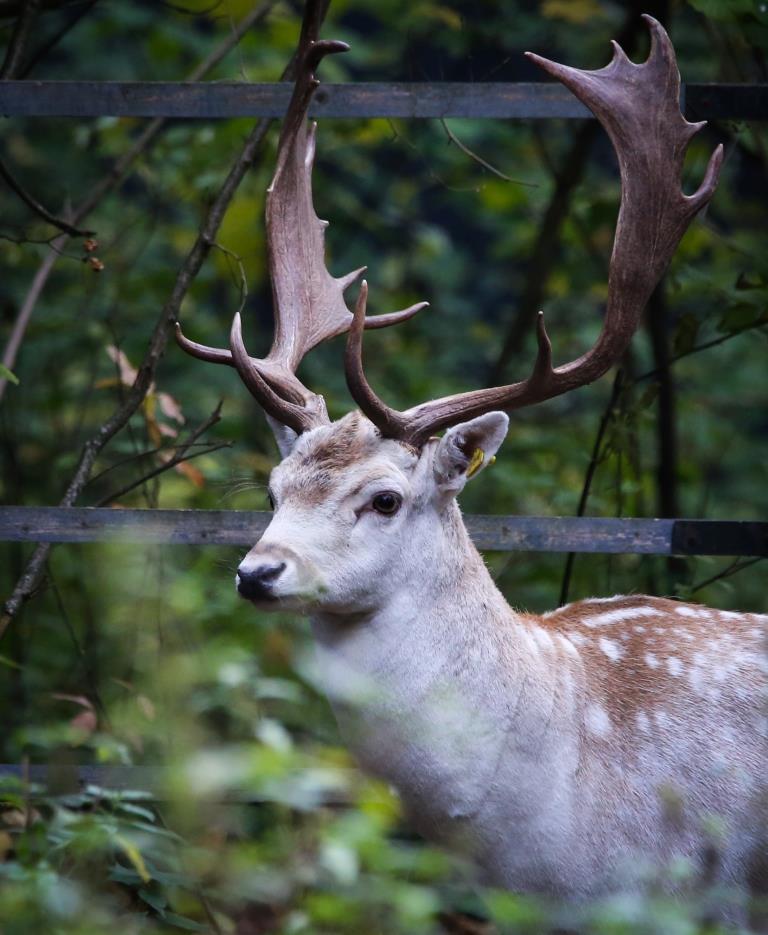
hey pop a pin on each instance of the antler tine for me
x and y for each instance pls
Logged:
(638, 105)
(390, 422)
(308, 302)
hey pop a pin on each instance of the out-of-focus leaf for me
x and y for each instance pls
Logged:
(134, 855)
(685, 333)
(9, 375)
(182, 922)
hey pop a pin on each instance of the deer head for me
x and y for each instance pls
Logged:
(363, 504)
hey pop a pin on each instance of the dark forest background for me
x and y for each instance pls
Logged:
(143, 655)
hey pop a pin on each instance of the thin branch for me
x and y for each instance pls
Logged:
(161, 469)
(206, 237)
(479, 159)
(14, 56)
(140, 455)
(243, 285)
(34, 205)
(111, 181)
(181, 455)
(586, 489)
(56, 38)
(544, 254)
(734, 568)
(653, 374)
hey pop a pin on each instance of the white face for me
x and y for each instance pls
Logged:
(355, 515)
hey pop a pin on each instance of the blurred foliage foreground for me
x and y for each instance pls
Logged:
(257, 821)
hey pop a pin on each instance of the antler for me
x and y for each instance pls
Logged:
(309, 303)
(638, 107)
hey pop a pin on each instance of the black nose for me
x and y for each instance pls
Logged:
(255, 583)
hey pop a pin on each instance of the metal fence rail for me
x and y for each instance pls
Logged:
(217, 100)
(494, 533)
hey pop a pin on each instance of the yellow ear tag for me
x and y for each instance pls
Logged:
(475, 462)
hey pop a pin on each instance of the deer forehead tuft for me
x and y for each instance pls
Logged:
(338, 455)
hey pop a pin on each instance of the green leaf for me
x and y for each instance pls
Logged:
(129, 809)
(134, 855)
(723, 9)
(9, 375)
(182, 922)
(157, 900)
(685, 335)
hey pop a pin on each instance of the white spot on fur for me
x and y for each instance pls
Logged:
(568, 646)
(578, 639)
(651, 661)
(622, 613)
(674, 665)
(639, 629)
(611, 649)
(684, 611)
(542, 639)
(696, 677)
(597, 720)
(643, 721)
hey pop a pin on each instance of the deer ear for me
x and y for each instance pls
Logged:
(284, 436)
(467, 448)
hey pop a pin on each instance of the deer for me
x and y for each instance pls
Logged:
(566, 752)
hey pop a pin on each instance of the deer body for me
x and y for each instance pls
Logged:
(568, 753)
(562, 751)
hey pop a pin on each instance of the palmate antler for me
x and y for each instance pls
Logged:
(638, 107)
(309, 303)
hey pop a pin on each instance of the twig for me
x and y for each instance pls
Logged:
(35, 205)
(14, 56)
(56, 38)
(594, 461)
(84, 658)
(181, 455)
(544, 253)
(736, 566)
(111, 181)
(653, 374)
(206, 237)
(230, 254)
(140, 455)
(479, 159)
(161, 469)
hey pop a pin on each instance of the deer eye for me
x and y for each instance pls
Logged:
(386, 503)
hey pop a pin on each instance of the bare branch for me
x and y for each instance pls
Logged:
(181, 455)
(737, 565)
(34, 205)
(594, 462)
(206, 237)
(111, 181)
(479, 159)
(56, 38)
(14, 56)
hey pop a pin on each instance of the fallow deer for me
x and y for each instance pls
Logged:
(547, 746)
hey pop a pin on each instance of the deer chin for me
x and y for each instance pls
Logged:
(302, 600)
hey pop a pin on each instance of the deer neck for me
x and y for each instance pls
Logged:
(441, 605)
(439, 685)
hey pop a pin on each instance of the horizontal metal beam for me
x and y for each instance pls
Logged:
(494, 533)
(217, 100)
